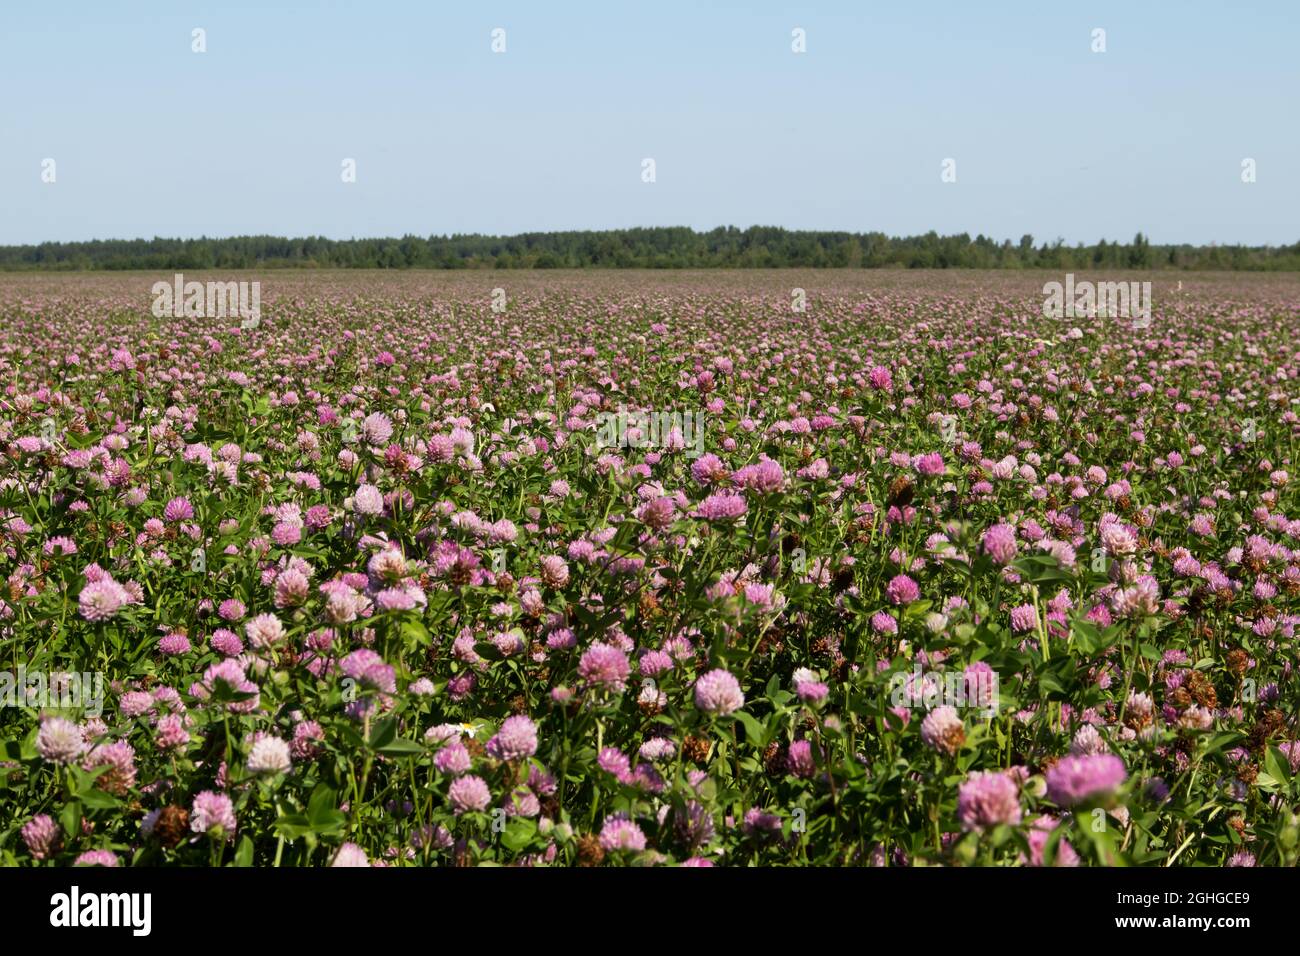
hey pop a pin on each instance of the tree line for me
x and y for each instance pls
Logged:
(675, 247)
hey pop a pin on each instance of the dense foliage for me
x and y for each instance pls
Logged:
(655, 248)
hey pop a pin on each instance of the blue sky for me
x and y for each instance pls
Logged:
(1049, 138)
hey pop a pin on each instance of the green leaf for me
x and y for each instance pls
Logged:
(1088, 637)
(773, 685)
(1266, 781)
(383, 734)
(99, 800)
(488, 652)
(13, 750)
(401, 748)
(415, 634)
(291, 826)
(519, 832)
(755, 732)
(1221, 740)
(917, 610)
(1277, 765)
(322, 805)
(1050, 683)
(70, 817)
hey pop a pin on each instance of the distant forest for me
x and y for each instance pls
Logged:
(759, 247)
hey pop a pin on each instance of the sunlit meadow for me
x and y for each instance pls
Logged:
(399, 578)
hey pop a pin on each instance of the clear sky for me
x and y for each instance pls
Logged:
(1049, 138)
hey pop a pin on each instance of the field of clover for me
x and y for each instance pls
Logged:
(942, 581)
